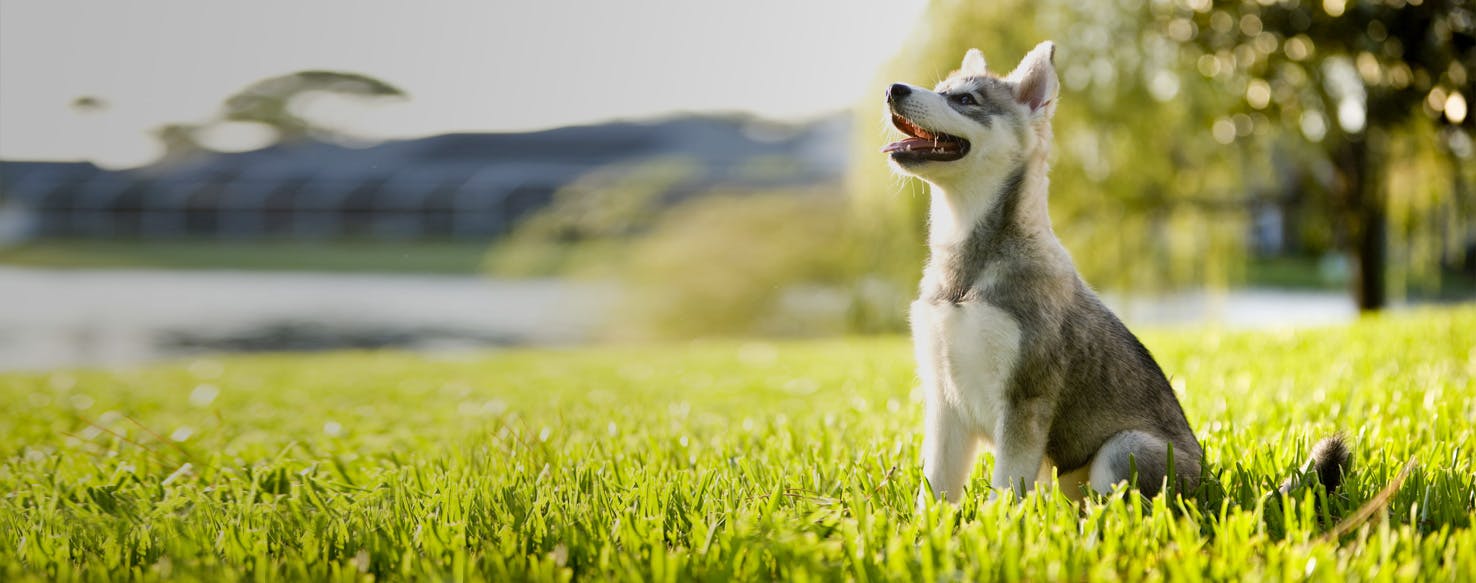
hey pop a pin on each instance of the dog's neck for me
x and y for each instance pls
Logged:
(1011, 196)
(999, 219)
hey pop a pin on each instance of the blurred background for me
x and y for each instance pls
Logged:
(181, 179)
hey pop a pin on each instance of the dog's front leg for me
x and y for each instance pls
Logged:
(1020, 444)
(949, 447)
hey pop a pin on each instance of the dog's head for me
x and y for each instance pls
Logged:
(974, 121)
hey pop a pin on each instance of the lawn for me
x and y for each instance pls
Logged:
(444, 257)
(447, 257)
(713, 461)
(438, 257)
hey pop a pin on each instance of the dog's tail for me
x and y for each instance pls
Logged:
(1329, 460)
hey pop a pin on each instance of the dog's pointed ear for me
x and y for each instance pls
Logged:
(1035, 80)
(973, 63)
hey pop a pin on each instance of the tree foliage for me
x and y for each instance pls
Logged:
(88, 104)
(270, 101)
(1365, 86)
(273, 103)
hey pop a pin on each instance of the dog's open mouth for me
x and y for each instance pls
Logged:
(921, 144)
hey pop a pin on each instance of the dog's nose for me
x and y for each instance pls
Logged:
(897, 91)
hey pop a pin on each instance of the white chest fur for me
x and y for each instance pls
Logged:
(965, 354)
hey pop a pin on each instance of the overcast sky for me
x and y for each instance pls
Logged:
(469, 66)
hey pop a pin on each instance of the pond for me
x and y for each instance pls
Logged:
(53, 318)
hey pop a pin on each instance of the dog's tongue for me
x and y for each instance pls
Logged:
(922, 145)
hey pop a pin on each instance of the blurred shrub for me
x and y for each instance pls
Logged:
(772, 263)
(694, 264)
(590, 221)
(532, 258)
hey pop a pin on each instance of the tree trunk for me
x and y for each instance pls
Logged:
(1370, 284)
(1365, 209)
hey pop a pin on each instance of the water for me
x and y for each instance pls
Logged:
(51, 318)
(54, 318)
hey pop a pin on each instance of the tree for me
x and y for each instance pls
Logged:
(271, 102)
(179, 141)
(1353, 77)
(88, 104)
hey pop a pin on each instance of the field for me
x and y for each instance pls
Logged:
(714, 461)
(474, 257)
(437, 257)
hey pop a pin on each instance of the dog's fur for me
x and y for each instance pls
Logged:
(1013, 348)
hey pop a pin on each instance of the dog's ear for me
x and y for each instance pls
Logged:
(1035, 80)
(973, 63)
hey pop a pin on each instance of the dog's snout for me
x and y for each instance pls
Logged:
(897, 91)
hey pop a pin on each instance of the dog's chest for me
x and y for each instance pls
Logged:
(965, 355)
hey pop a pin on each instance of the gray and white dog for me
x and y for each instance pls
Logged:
(1013, 349)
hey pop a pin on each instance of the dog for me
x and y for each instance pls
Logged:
(1013, 349)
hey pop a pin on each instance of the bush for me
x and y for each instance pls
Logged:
(589, 220)
(773, 263)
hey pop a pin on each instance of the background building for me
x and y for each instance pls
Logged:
(473, 186)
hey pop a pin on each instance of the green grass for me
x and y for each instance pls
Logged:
(1290, 272)
(447, 257)
(341, 256)
(711, 461)
(1305, 273)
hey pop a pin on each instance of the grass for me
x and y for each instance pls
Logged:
(335, 256)
(713, 461)
(508, 259)
(1301, 272)
(1290, 272)
(444, 257)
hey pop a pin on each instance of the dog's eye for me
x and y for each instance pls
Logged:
(965, 99)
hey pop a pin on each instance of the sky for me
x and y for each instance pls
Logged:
(468, 66)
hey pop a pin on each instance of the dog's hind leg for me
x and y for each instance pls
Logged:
(1020, 446)
(1147, 454)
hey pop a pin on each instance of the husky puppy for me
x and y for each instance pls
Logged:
(1013, 349)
